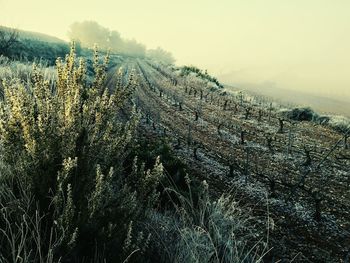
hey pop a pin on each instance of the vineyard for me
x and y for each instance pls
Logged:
(125, 159)
(298, 171)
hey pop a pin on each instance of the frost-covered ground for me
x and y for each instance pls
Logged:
(209, 125)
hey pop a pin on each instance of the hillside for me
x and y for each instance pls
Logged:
(33, 46)
(322, 104)
(236, 143)
(24, 34)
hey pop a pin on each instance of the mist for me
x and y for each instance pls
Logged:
(89, 33)
(298, 45)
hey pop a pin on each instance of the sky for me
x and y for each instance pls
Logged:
(301, 45)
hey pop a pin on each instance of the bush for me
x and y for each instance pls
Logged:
(338, 123)
(66, 145)
(187, 70)
(300, 114)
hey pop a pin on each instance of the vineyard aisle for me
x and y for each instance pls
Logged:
(240, 144)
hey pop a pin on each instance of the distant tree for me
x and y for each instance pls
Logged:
(116, 42)
(161, 55)
(133, 48)
(89, 33)
(8, 38)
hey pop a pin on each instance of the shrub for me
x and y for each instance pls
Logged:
(67, 144)
(300, 114)
(338, 123)
(187, 70)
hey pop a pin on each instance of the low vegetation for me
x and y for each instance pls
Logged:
(339, 123)
(186, 70)
(23, 46)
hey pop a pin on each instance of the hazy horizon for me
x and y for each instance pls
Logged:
(296, 45)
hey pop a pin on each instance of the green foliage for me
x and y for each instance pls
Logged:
(29, 46)
(33, 50)
(42, 49)
(8, 38)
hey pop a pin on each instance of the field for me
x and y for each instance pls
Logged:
(300, 172)
(115, 155)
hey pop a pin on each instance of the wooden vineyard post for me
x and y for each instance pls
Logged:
(270, 110)
(246, 166)
(269, 140)
(196, 115)
(178, 143)
(247, 112)
(195, 151)
(220, 124)
(241, 98)
(281, 125)
(317, 199)
(259, 115)
(242, 136)
(308, 160)
(189, 135)
(225, 104)
(180, 105)
(290, 141)
(346, 136)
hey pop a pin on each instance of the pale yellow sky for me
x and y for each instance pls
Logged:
(297, 44)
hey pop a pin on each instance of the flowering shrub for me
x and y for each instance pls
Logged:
(66, 144)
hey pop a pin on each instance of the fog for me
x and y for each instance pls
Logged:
(90, 33)
(300, 45)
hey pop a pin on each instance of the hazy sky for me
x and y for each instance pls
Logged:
(296, 44)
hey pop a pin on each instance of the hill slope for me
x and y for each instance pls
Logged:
(242, 144)
(23, 34)
(323, 104)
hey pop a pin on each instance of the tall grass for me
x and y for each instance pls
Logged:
(209, 230)
(23, 229)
